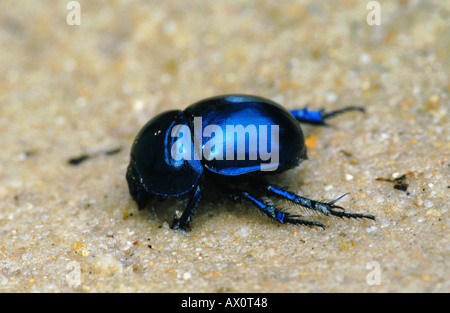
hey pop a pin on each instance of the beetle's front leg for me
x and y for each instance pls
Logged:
(183, 221)
(138, 193)
(319, 117)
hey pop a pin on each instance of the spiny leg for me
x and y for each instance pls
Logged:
(322, 207)
(183, 222)
(273, 212)
(319, 117)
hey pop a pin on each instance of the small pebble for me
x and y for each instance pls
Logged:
(187, 276)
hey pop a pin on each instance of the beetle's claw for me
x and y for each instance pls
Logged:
(336, 210)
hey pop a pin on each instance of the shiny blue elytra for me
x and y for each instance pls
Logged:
(232, 141)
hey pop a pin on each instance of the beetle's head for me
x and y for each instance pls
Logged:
(159, 161)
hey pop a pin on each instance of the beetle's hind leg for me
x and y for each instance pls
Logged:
(327, 208)
(319, 117)
(272, 211)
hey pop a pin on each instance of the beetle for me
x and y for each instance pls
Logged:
(225, 140)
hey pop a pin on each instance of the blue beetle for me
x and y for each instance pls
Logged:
(225, 140)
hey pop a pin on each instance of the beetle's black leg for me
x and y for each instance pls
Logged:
(319, 117)
(142, 198)
(183, 222)
(273, 212)
(331, 114)
(322, 207)
(139, 194)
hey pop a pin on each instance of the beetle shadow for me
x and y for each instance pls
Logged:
(215, 201)
(164, 210)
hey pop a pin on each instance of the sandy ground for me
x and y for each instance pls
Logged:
(69, 90)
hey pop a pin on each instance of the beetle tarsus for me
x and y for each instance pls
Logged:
(294, 219)
(332, 114)
(326, 208)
